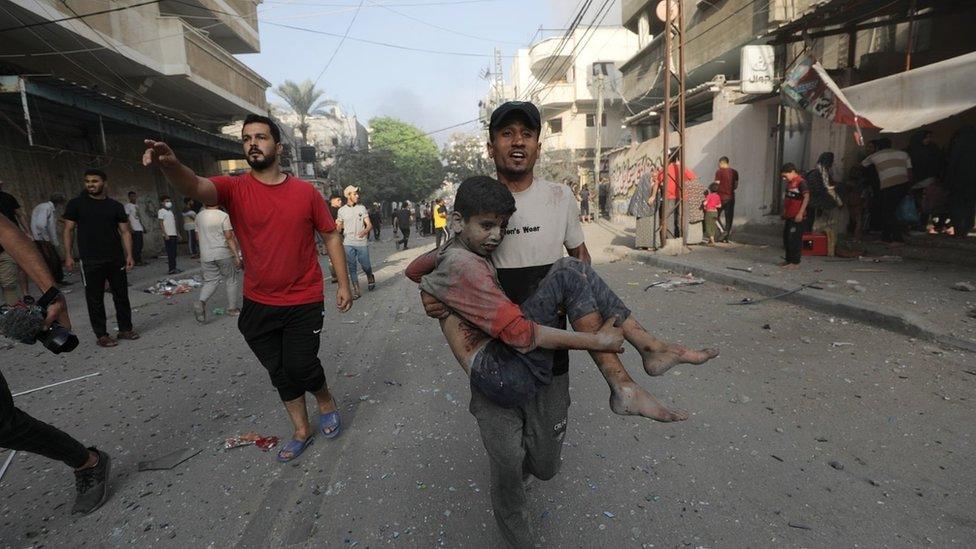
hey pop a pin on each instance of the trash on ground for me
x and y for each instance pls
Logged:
(799, 525)
(169, 460)
(7, 462)
(219, 311)
(251, 438)
(836, 465)
(171, 287)
(48, 386)
(841, 344)
(743, 269)
(964, 287)
(676, 281)
(881, 259)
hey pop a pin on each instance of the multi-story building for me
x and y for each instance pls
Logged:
(563, 75)
(866, 47)
(82, 83)
(330, 131)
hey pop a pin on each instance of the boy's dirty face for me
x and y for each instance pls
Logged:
(481, 233)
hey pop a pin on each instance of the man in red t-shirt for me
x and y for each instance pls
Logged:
(728, 181)
(794, 211)
(275, 218)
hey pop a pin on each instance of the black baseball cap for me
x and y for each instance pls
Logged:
(525, 108)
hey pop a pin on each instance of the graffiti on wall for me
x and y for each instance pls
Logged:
(628, 167)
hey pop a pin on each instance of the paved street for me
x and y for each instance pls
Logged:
(792, 392)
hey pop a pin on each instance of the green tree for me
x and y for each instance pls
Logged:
(558, 166)
(374, 171)
(464, 155)
(306, 100)
(414, 155)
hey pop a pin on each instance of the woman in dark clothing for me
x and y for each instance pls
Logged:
(825, 201)
(960, 179)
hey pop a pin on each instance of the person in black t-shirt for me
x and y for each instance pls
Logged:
(401, 222)
(105, 247)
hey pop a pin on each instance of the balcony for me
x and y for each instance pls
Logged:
(216, 18)
(555, 96)
(546, 56)
(218, 80)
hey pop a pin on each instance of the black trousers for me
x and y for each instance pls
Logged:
(96, 273)
(137, 243)
(171, 243)
(892, 229)
(405, 231)
(285, 341)
(51, 259)
(441, 235)
(793, 240)
(19, 431)
(728, 209)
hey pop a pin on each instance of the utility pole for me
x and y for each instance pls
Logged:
(600, 82)
(671, 12)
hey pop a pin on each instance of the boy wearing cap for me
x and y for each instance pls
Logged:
(353, 221)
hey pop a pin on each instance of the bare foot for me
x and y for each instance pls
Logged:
(630, 399)
(656, 364)
(789, 266)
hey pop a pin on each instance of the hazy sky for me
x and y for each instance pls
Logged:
(427, 89)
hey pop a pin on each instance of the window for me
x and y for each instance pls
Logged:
(591, 120)
(602, 67)
(555, 125)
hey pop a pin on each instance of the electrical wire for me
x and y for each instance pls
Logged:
(582, 42)
(438, 27)
(77, 16)
(584, 6)
(377, 43)
(339, 45)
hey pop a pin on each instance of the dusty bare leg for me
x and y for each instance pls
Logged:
(627, 398)
(326, 403)
(660, 356)
(299, 418)
(463, 338)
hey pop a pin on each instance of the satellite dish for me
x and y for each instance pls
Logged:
(661, 9)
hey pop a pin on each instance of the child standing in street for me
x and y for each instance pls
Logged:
(711, 205)
(794, 212)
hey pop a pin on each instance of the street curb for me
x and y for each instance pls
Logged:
(875, 315)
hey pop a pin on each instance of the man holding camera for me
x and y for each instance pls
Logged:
(18, 430)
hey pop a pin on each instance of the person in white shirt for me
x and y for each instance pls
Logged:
(44, 230)
(190, 226)
(171, 237)
(353, 221)
(220, 258)
(135, 223)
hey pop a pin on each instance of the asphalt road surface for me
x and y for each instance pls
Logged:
(792, 392)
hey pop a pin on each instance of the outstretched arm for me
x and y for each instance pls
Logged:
(183, 178)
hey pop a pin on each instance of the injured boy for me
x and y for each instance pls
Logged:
(507, 349)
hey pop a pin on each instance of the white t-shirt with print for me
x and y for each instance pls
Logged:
(545, 223)
(353, 222)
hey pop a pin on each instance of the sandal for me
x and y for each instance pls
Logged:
(329, 421)
(295, 447)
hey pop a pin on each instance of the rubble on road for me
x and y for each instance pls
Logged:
(676, 281)
(170, 287)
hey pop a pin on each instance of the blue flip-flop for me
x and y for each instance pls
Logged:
(296, 447)
(329, 421)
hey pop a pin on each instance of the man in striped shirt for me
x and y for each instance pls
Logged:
(895, 174)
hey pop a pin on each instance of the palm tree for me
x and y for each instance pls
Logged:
(304, 100)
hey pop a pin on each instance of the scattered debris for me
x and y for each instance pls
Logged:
(841, 344)
(676, 281)
(868, 271)
(169, 460)
(836, 465)
(219, 311)
(740, 399)
(860, 289)
(171, 287)
(79, 378)
(800, 526)
(964, 287)
(881, 259)
(743, 269)
(777, 458)
(767, 327)
(750, 301)
(247, 439)
(608, 514)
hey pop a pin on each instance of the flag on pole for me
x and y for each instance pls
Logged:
(808, 87)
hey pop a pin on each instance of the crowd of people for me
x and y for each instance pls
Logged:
(504, 242)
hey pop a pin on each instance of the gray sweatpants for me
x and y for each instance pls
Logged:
(213, 272)
(526, 439)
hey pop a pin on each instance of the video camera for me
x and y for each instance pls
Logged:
(24, 322)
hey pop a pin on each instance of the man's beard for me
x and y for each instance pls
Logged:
(94, 193)
(263, 164)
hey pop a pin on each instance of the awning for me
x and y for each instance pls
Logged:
(911, 99)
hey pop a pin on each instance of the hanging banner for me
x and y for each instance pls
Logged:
(808, 87)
